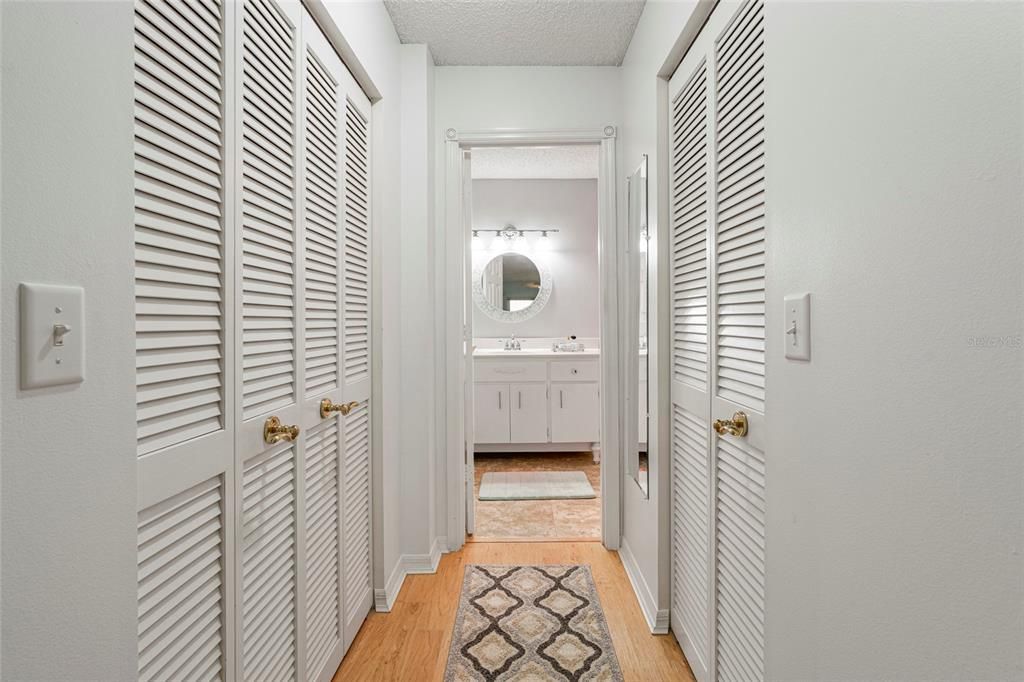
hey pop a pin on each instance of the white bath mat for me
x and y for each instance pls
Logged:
(535, 485)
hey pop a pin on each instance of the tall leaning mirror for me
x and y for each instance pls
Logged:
(639, 275)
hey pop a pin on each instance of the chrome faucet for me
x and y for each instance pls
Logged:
(513, 343)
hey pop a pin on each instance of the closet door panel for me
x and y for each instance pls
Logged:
(269, 245)
(183, 329)
(718, 306)
(269, 558)
(690, 174)
(356, 359)
(270, 328)
(323, 101)
(739, 378)
(358, 587)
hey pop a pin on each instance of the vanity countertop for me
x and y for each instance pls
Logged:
(534, 353)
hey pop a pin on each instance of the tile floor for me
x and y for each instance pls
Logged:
(562, 519)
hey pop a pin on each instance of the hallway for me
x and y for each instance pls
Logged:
(411, 642)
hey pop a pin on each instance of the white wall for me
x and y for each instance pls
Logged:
(366, 26)
(569, 206)
(645, 520)
(895, 152)
(69, 463)
(418, 453)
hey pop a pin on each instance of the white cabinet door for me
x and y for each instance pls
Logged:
(574, 413)
(491, 413)
(529, 417)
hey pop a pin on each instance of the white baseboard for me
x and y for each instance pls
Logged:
(407, 564)
(657, 619)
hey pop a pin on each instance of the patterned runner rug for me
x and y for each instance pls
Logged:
(530, 623)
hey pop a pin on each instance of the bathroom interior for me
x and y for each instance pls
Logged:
(536, 368)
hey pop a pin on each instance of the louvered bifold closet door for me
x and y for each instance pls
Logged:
(270, 383)
(691, 467)
(184, 355)
(718, 246)
(357, 362)
(740, 341)
(323, 106)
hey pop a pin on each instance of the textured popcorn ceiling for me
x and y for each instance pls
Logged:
(535, 162)
(519, 32)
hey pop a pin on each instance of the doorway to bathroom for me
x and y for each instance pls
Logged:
(534, 337)
(535, 317)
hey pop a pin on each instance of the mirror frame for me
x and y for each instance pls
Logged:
(638, 224)
(499, 314)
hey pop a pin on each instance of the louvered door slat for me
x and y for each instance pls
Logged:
(356, 516)
(323, 546)
(689, 232)
(322, 220)
(690, 474)
(740, 203)
(179, 257)
(740, 557)
(181, 586)
(268, 211)
(357, 249)
(268, 566)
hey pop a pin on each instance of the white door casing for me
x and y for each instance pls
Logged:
(467, 340)
(452, 309)
(252, 214)
(717, 283)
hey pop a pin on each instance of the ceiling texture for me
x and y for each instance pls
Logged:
(519, 32)
(545, 163)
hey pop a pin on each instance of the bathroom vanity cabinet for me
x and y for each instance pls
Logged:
(530, 403)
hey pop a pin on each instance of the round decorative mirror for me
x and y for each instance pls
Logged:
(511, 286)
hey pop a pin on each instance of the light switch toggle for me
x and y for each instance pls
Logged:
(59, 330)
(798, 327)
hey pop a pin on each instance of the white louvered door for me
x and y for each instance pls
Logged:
(269, 378)
(337, 474)
(184, 332)
(252, 279)
(357, 587)
(690, 173)
(719, 345)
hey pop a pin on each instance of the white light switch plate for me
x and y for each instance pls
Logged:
(798, 327)
(52, 335)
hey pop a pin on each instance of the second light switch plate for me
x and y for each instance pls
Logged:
(798, 327)
(52, 335)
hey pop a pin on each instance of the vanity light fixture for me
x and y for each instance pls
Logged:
(511, 233)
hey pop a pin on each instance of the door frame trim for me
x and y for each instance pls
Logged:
(449, 309)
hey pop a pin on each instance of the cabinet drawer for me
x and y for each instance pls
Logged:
(575, 370)
(510, 370)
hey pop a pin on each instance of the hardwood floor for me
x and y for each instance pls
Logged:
(411, 643)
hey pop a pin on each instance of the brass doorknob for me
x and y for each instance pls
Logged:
(275, 432)
(326, 407)
(737, 426)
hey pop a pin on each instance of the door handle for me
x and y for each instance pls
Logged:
(520, 399)
(737, 426)
(499, 401)
(275, 432)
(561, 399)
(327, 407)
